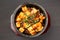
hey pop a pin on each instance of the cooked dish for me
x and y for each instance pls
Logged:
(30, 20)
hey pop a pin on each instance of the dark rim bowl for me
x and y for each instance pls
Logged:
(17, 10)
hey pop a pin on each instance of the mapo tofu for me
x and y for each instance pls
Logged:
(30, 20)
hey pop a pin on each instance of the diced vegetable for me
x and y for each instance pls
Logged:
(36, 25)
(34, 10)
(27, 13)
(26, 25)
(21, 29)
(17, 24)
(39, 28)
(30, 29)
(24, 8)
(41, 20)
(33, 32)
(42, 17)
(18, 18)
(21, 14)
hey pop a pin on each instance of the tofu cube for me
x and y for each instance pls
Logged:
(21, 29)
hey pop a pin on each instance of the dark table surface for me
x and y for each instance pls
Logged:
(8, 6)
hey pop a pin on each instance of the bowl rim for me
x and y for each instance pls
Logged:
(13, 18)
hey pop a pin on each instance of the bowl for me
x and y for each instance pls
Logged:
(16, 12)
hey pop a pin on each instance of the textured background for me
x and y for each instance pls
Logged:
(8, 6)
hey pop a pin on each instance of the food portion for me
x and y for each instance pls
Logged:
(30, 20)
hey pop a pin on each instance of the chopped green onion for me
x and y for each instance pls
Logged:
(35, 21)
